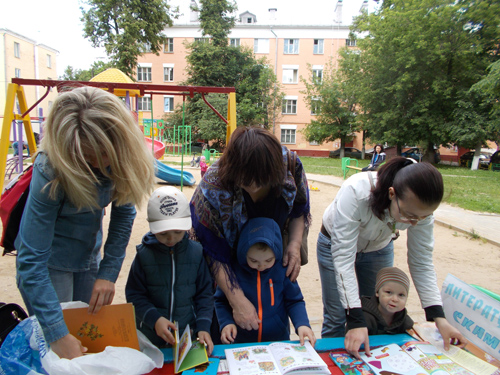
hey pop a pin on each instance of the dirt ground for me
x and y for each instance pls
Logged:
(473, 261)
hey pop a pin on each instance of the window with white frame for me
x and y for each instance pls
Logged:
(234, 42)
(288, 134)
(289, 106)
(168, 103)
(144, 73)
(49, 61)
(350, 42)
(146, 47)
(317, 73)
(202, 40)
(168, 72)
(144, 103)
(290, 73)
(291, 46)
(168, 47)
(17, 50)
(261, 45)
(17, 73)
(318, 46)
(315, 105)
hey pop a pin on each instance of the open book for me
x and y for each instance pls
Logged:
(113, 325)
(187, 354)
(415, 358)
(275, 359)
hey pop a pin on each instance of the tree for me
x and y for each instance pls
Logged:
(127, 28)
(333, 101)
(216, 19)
(71, 74)
(419, 57)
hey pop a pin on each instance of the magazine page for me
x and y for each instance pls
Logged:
(392, 359)
(251, 360)
(432, 359)
(295, 357)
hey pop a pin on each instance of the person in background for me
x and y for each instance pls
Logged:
(203, 166)
(262, 277)
(85, 164)
(355, 242)
(169, 280)
(377, 158)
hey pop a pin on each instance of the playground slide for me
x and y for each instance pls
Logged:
(159, 147)
(172, 175)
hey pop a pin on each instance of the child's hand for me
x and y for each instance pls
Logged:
(305, 331)
(228, 334)
(205, 339)
(162, 326)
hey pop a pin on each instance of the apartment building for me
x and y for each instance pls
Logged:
(22, 57)
(288, 48)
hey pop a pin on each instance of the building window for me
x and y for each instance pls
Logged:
(168, 73)
(261, 45)
(168, 103)
(17, 50)
(49, 61)
(143, 74)
(202, 40)
(144, 103)
(289, 107)
(146, 48)
(291, 46)
(168, 47)
(318, 47)
(290, 75)
(315, 106)
(288, 136)
(313, 143)
(234, 42)
(350, 42)
(317, 74)
(17, 73)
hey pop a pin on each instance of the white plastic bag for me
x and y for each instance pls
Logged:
(25, 351)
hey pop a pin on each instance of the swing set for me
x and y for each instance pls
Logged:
(16, 90)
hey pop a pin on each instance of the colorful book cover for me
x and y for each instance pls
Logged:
(349, 365)
(113, 325)
(209, 368)
(186, 354)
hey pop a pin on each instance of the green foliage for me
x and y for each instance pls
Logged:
(419, 58)
(125, 27)
(333, 100)
(216, 20)
(97, 67)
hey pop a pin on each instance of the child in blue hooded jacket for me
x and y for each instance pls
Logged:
(262, 277)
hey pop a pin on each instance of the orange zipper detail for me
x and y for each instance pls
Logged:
(272, 291)
(259, 299)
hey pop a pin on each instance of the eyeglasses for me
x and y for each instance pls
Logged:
(412, 219)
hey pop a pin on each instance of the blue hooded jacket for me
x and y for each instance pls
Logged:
(274, 296)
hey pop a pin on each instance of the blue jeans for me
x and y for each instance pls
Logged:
(367, 265)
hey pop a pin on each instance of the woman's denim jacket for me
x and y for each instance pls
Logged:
(65, 239)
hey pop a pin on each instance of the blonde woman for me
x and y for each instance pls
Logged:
(93, 154)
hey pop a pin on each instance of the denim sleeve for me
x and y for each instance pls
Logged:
(120, 228)
(34, 245)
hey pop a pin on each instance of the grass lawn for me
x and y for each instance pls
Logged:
(472, 190)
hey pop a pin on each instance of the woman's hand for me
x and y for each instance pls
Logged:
(291, 258)
(68, 347)
(102, 294)
(353, 340)
(162, 329)
(244, 313)
(450, 334)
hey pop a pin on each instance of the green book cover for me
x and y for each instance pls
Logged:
(186, 354)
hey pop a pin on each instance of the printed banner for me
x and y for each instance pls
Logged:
(475, 314)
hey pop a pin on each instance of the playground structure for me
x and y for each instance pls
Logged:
(127, 89)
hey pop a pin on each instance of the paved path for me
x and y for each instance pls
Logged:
(484, 224)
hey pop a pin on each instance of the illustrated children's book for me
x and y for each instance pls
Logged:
(209, 368)
(186, 354)
(275, 359)
(113, 325)
(350, 365)
(392, 359)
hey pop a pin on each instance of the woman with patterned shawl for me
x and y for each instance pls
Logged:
(251, 179)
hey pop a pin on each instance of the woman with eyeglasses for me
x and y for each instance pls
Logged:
(355, 242)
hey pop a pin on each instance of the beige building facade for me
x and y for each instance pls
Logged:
(289, 49)
(22, 57)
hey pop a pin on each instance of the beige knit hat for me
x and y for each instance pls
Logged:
(393, 274)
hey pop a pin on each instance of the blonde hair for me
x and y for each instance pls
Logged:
(89, 119)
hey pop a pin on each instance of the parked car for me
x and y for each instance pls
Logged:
(416, 154)
(351, 152)
(484, 159)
